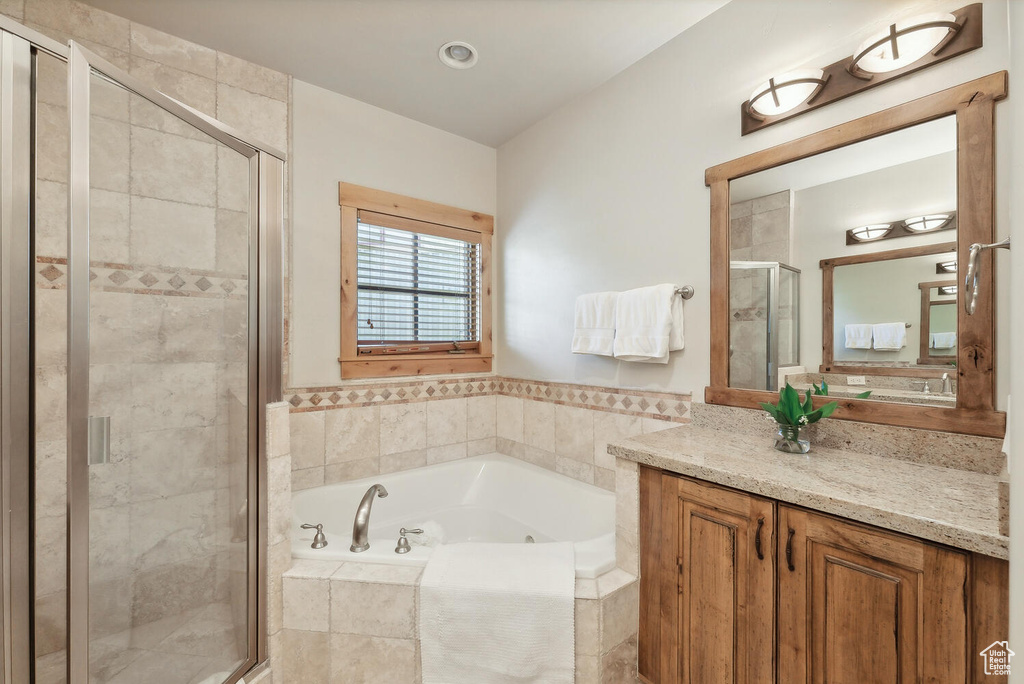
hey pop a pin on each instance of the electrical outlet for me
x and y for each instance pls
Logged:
(855, 380)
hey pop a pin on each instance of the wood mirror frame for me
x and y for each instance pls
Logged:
(828, 362)
(973, 103)
(925, 357)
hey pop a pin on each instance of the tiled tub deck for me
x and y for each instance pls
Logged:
(357, 622)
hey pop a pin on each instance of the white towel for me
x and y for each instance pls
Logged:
(498, 613)
(946, 340)
(595, 324)
(648, 324)
(889, 336)
(858, 336)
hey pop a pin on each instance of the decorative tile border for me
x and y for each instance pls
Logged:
(404, 392)
(659, 405)
(51, 274)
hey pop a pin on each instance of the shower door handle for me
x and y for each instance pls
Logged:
(99, 440)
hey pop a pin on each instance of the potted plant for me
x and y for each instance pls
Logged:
(792, 416)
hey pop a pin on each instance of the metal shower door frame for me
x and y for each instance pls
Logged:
(17, 364)
(772, 320)
(266, 172)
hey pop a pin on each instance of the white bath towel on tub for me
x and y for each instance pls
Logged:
(498, 614)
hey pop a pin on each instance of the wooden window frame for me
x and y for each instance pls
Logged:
(407, 213)
(973, 103)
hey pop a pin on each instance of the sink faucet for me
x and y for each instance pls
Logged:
(947, 384)
(361, 526)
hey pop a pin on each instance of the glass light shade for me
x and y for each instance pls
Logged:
(923, 224)
(872, 232)
(911, 44)
(948, 290)
(948, 266)
(779, 95)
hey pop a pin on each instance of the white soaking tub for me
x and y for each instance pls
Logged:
(491, 498)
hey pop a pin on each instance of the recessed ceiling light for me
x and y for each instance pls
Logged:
(457, 55)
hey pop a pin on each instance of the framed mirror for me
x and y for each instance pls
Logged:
(835, 261)
(937, 345)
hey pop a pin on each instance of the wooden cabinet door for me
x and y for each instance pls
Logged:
(859, 605)
(715, 588)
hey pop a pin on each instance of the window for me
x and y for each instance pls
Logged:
(415, 286)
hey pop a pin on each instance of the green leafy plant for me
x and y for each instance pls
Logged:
(822, 391)
(791, 411)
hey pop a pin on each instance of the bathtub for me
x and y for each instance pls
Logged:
(490, 498)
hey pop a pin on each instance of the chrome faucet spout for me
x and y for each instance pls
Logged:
(361, 525)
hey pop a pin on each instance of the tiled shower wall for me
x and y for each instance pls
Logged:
(759, 230)
(371, 428)
(167, 328)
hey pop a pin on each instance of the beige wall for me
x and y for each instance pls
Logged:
(335, 139)
(608, 193)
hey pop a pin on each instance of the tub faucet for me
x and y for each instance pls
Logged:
(361, 526)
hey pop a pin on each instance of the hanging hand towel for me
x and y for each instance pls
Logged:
(858, 336)
(648, 324)
(595, 324)
(498, 613)
(946, 340)
(889, 336)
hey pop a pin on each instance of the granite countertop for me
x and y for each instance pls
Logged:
(955, 507)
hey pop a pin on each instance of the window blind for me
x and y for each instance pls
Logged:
(418, 291)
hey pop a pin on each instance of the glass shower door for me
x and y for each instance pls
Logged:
(162, 390)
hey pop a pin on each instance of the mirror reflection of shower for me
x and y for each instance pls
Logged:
(764, 322)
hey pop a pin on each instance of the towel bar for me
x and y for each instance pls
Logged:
(686, 292)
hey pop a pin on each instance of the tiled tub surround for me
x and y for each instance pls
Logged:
(366, 428)
(356, 623)
(179, 583)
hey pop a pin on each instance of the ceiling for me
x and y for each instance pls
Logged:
(535, 55)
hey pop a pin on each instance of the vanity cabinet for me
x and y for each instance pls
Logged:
(857, 604)
(740, 589)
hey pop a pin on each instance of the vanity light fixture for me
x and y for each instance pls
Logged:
(948, 290)
(903, 43)
(899, 49)
(781, 94)
(946, 266)
(928, 223)
(456, 54)
(875, 231)
(917, 225)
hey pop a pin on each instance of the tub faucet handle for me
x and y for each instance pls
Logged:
(319, 540)
(403, 543)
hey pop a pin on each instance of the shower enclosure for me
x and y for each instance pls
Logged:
(764, 322)
(139, 344)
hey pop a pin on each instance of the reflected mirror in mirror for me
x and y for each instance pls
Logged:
(864, 235)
